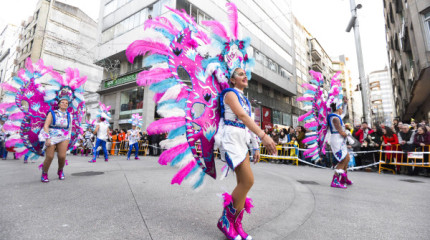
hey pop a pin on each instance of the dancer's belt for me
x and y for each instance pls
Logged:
(234, 124)
(56, 127)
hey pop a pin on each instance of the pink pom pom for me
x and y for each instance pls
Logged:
(227, 199)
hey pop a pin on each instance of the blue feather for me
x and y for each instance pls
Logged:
(200, 181)
(18, 80)
(154, 59)
(208, 61)
(12, 108)
(192, 171)
(34, 157)
(169, 104)
(163, 85)
(179, 20)
(54, 82)
(177, 132)
(10, 94)
(165, 33)
(180, 157)
(310, 92)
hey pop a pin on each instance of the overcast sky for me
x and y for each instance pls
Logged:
(327, 20)
(324, 19)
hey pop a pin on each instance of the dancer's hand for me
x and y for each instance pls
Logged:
(256, 156)
(269, 144)
(48, 142)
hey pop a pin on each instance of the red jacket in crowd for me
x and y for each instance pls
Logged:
(360, 134)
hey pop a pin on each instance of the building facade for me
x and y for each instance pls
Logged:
(63, 36)
(381, 97)
(8, 54)
(273, 83)
(407, 25)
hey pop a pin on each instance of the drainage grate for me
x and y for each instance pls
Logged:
(411, 181)
(90, 173)
(307, 182)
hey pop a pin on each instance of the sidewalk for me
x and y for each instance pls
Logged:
(123, 199)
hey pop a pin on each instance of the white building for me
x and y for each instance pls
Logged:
(381, 97)
(63, 36)
(271, 88)
(8, 45)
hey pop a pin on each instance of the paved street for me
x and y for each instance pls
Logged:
(134, 200)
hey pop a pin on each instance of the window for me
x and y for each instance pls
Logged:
(137, 63)
(427, 27)
(276, 115)
(110, 7)
(131, 101)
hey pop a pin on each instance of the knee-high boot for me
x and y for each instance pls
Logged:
(226, 222)
(238, 221)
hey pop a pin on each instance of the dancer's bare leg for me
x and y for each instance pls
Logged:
(245, 180)
(49, 155)
(61, 153)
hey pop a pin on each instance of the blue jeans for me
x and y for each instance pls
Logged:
(102, 143)
(2, 149)
(136, 150)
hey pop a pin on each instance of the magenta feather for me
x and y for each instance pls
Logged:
(310, 150)
(165, 125)
(10, 127)
(5, 106)
(12, 142)
(305, 99)
(183, 94)
(9, 87)
(301, 118)
(41, 166)
(218, 29)
(167, 156)
(183, 172)
(309, 139)
(29, 65)
(16, 116)
(233, 19)
(309, 86)
(311, 124)
(158, 96)
(20, 154)
(146, 78)
(141, 47)
(248, 205)
(183, 15)
(163, 25)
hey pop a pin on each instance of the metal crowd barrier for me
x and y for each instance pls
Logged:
(286, 152)
(124, 146)
(395, 156)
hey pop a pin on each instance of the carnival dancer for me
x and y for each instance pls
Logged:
(88, 145)
(191, 114)
(133, 135)
(319, 122)
(102, 132)
(45, 114)
(235, 138)
(56, 132)
(338, 143)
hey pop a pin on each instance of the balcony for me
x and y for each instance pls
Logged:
(316, 55)
(317, 67)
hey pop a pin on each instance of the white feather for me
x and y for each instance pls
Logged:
(171, 112)
(171, 93)
(169, 143)
(187, 158)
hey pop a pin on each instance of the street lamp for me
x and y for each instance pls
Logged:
(353, 23)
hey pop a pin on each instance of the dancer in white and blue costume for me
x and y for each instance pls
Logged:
(237, 134)
(338, 143)
(133, 137)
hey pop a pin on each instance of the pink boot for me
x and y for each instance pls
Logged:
(61, 174)
(226, 222)
(344, 179)
(335, 182)
(44, 177)
(238, 221)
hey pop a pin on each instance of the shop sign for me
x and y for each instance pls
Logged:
(121, 80)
